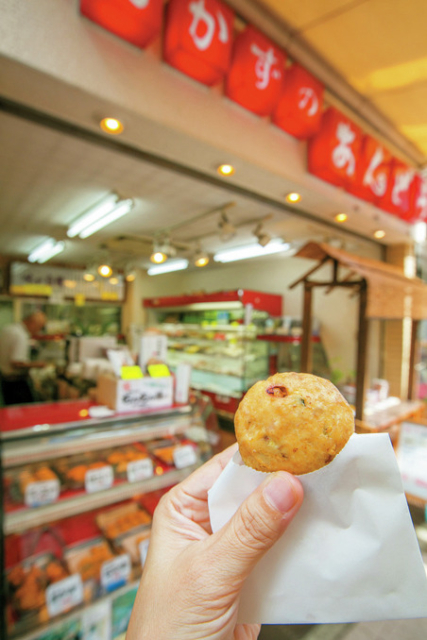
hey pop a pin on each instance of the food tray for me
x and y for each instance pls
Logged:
(129, 543)
(16, 481)
(72, 471)
(120, 458)
(121, 520)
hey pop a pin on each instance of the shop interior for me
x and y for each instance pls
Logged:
(166, 265)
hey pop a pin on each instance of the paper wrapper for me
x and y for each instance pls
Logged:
(349, 555)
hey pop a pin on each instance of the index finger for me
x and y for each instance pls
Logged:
(200, 481)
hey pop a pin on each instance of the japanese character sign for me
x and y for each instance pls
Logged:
(199, 38)
(256, 74)
(334, 151)
(418, 199)
(397, 198)
(299, 110)
(373, 171)
(137, 21)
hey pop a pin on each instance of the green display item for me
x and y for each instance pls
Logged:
(122, 608)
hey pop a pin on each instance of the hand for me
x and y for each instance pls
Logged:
(192, 578)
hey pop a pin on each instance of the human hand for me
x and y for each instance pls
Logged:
(192, 578)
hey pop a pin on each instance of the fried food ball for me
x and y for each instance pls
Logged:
(294, 422)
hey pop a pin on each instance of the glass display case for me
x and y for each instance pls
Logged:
(78, 495)
(217, 334)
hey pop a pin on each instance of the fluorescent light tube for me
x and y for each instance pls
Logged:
(170, 265)
(251, 251)
(94, 214)
(46, 250)
(122, 208)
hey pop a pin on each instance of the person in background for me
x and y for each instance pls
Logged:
(192, 578)
(15, 363)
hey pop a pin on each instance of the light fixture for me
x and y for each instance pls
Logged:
(105, 270)
(263, 237)
(104, 213)
(162, 250)
(89, 277)
(225, 170)
(46, 250)
(227, 230)
(130, 274)
(293, 197)
(379, 233)
(170, 265)
(111, 125)
(114, 281)
(252, 251)
(419, 232)
(201, 258)
(341, 217)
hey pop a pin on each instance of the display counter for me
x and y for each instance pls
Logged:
(78, 495)
(388, 420)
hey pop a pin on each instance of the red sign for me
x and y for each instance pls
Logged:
(299, 110)
(256, 74)
(137, 21)
(198, 38)
(334, 151)
(397, 198)
(418, 199)
(372, 171)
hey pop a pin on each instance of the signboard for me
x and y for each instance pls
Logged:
(58, 283)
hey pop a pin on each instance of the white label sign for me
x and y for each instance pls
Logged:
(99, 479)
(116, 572)
(64, 595)
(184, 456)
(143, 550)
(38, 494)
(140, 470)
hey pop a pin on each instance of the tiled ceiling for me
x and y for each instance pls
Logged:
(378, 46)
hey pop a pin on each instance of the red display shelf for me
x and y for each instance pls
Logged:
(269, 302)
(25, 416)
(277, 337)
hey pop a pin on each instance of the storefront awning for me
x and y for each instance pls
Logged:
(390, 294)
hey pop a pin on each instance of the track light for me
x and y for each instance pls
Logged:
(46, 250)
(201, 258)
(104, 213)
(227, 230)
(130, 274)
(105, 270)
(263, 237)
(162, 250)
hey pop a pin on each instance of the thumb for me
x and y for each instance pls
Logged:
(258, 524)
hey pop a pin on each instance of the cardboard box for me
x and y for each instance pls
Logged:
(134, 395)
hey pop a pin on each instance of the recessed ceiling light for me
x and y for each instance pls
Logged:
(105, 270)
(379, 233)
(111, 125)
(225, 169)
(341, 217)
(293, 197)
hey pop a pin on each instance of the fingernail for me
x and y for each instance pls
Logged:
(280, 493)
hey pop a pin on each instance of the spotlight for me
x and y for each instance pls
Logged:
(379, 233)
(263, 237)
(114, 281)
(225, 170)
(162, 250)
(105, 270)
(89, 277)
(227, 230)
(341, 217)
(201, 258)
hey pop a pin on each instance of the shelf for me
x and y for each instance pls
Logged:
(29, 451)
(56, 623)
(20, 521)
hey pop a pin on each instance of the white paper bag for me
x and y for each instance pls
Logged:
(349, 555)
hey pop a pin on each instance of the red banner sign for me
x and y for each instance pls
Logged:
(397, 198)
(372, 171)
(137, 21)
(299, 110)
(334, 151)
(418, 199)
(199, 38)
(256, 74)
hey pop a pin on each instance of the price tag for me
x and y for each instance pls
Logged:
(64, 595)
(99, 479)
(115, 573)
(143, 550)
(140, 470)
(184, 456)
(38, 494)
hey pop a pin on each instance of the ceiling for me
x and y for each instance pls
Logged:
(49, 177)
(378, 46)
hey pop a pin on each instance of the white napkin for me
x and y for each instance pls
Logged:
(350, 554)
